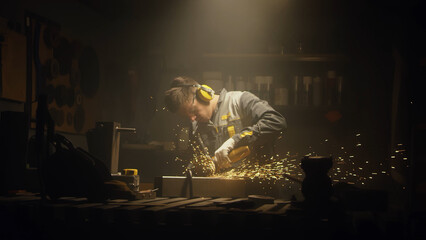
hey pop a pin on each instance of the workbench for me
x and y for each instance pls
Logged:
(27, 216)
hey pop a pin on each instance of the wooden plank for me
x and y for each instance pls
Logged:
(72, 199)
(207, 203)
(140, 202)
(283, 209)
(19, 199)
(132, 207)
(177, 204)
(87, 205)
(119, 201)
(164, 202)
(266, 207)
(221, 199)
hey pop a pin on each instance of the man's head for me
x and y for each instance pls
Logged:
(182, 99)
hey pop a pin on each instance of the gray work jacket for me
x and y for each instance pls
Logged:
(249, 120)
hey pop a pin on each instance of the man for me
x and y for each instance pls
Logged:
(223, 122)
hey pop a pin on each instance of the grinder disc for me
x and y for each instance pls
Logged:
(63, 53)
(60, 93)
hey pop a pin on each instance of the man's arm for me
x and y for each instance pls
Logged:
(265, 123)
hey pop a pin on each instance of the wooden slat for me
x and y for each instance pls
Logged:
(140, 202)
(207, 203)
(177, 204)
(231, 200)
(221, 199)
(87, 205)
(19, 198)
(283, 209)
(266, 207)
(119, 201)
(164, 202)
(132, 207)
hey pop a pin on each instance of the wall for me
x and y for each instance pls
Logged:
(157, 40)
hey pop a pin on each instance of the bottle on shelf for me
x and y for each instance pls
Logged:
(240, 84)
(229, 85)
(331, 88)
(339, 89)
(268, 82)
(306, 91)
(317, 91)
(263, 86)
(297, 82)
(281, 92)
(249, 84)
(300, 48)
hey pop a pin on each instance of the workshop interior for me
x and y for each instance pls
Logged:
(88, 147)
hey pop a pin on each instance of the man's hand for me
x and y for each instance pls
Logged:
(221, 154)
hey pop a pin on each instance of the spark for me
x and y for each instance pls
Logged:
(349, 166)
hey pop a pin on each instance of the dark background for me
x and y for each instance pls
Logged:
(383, 68)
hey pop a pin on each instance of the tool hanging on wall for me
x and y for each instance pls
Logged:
(59, 95)
(51, 69)
(51, 36)
(63, 53)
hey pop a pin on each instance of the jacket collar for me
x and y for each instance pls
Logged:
(221, 98)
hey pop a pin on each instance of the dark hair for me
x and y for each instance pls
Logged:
(180, 92)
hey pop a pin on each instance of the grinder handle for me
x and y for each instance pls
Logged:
(239, 153)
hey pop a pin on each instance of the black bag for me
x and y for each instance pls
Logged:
(73, 172)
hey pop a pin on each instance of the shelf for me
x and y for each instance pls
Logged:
(307, 109)
(279, 57)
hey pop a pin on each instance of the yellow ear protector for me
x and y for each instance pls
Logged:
(204, 93)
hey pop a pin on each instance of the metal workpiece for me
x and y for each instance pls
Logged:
(183, 186)
(180, 186)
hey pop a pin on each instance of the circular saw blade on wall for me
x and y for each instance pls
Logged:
(71, 86)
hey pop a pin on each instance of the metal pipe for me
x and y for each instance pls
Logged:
(120, 129)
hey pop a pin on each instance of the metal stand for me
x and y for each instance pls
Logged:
(104, 142)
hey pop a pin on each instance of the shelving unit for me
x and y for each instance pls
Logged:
(307, 124)
(282, 67)
(279, 57)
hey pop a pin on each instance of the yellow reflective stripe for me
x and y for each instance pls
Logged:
(249, 133)
(224, 117)
(231, 131)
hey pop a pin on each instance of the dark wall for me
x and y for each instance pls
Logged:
(143, 44)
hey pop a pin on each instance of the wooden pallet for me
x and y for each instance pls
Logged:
(164, 216)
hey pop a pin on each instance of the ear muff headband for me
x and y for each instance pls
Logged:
(204, 92)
